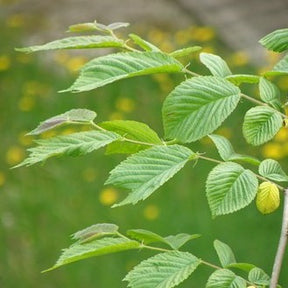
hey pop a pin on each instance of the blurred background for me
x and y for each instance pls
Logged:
(41, 206)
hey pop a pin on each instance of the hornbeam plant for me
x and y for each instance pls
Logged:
(195, 108)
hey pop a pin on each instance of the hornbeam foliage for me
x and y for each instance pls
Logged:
(195, 108)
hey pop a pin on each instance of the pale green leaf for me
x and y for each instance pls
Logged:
(177, 241)
(185, 51)
(276, 41)
(225, 253)
(75, 144)
(95, 231)
(147, 170)
(261, 124)
(227, 152)
(197, 107)
(272, 170)
(133, 130)
(113, 67)
(117, 25)
(229, 188)
(82, 27)
(216, 65)
(165, 270)
(145, 236)
(246, 267)
(238, 79)
(145, 45)
(106, 245)
(258, 276)
(77, 42)
(69, 117)
(270, 93)
(223, 278)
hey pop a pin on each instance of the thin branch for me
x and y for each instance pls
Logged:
(282, 244)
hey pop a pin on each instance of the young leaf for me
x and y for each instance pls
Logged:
(110, 68)
(197, 107)
(238, 79)
(147, 170)
(177, 241)
(276, 41)
(246, 267)
(165, 270)
(77, 42)
(281, 68)
(107, 245)
(145, 45)
(270, 93)
(229, 188)
(261, 124)
(272, 170)
(72, 116)
(268, 199)
(117, 25)
(227, 152)
(225, 253)
(185, 51)
(82, 27)
(224, 278)
(145, 236)
(132, 130)
(258, 276)
(216, 65)
(75, 144)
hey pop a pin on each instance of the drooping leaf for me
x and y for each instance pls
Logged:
(145, 45)
(261, 124)
(268, 199)
(106, 245)
(147, 170)
(165, 270)
(270, 93)
(92, 26)
(216, 65)
(276, 41)
(117, 25)
(224, 278)
(197, 107)
(177, 241)
(185, 51)
(82, 27)
(225, 253)
(77, 42)
(271, 169)
(113, 67)
(72, 116)
(95, 231)
(75, 144)
(258, 276)
(227, 152)
(238, 79)
(229, 188)
(133, 130)
(246, 267)
(281, 68)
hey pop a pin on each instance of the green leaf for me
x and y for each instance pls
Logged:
(185, 51)
(132, 130)
(272, 170)
(86, 27)
(238, 79)
(276, 41)
(177, 241)
(165, 270)
(281, 68)
(197, 107)
(227, 152)
(69, 117)
(216, 65)
(258, 276)
(229, 188)
(95, 231)
(224, 278)
(107, 245)
(246, 267)
(270, 93)
(225, 253)
(145, 45)
(261, 124)
(75, 144)
(110, 68)
(147, 170)
(77, 42)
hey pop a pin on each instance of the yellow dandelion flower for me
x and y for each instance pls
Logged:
(74, 64)
(14, 155)
(26, 103)
(2, 178)
(182, 37)
(203, 34)
(5, 62)
(239, 58)
(156, 36)
(273, 150)
(125, 104)
(25, 139)
(151, 212)
(89, 174)
(282, 135)
(108, 196)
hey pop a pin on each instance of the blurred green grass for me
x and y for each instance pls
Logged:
(42, 205)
